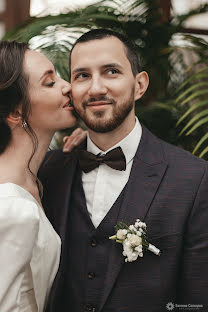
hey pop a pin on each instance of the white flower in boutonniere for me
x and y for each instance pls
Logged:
(134, 240)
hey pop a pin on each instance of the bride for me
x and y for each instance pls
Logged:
(34, 103)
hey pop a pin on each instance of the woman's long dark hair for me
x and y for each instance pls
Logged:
(13, 93)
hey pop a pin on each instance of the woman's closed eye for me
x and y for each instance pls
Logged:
(50, 84)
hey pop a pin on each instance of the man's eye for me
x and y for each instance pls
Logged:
(81, 76)
(113, 71)
(50, 84)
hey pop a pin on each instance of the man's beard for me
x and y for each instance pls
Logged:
(101, 125)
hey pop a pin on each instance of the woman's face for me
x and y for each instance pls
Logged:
(49, 95)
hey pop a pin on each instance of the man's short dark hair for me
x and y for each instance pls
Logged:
(101, 33)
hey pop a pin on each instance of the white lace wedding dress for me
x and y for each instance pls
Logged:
(29, 252)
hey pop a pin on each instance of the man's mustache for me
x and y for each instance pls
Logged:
(101, 98)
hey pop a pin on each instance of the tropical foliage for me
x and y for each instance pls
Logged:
(193, 94)
(143, 23)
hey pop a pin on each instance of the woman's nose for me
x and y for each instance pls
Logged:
(66, 87)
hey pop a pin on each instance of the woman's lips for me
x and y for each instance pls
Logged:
(68, 105)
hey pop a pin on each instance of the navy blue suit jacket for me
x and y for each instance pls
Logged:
(168, 189)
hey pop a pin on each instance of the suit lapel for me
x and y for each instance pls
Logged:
(61, 169)
(69, 170)
(146, 175)
(60, 184)
(64, 189)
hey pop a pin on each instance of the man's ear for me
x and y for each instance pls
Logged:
(15, 117)
(141, 84)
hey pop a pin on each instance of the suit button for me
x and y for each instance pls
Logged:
(91, 275)
(89, 308)
(93, 242)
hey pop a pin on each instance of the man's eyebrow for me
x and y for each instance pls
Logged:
(47, 72)
(79, 69)
(82, 69)
(112, 65)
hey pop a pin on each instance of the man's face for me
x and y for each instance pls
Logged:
(103, 85)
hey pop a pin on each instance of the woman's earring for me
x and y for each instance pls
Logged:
(24, 124)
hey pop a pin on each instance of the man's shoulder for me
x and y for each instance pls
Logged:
(179, 155)
(184, 165)
(174, 155)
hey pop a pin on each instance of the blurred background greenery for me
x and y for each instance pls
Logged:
(175, 107)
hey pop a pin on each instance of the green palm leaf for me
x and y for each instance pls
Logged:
(191, 109)
(193, 120)
(196, 76)
(194, 96)
(203, 139)
(190, 89)
(203, 152)
(197, 125)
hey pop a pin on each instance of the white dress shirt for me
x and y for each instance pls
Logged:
(103, 185)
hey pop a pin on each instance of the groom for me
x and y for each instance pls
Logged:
(86, 196)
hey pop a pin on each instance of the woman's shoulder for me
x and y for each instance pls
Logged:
(17, 204)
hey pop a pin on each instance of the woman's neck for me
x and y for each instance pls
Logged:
(14, 161)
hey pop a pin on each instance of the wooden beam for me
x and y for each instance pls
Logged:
(165, 5)
(195, 31)
(2, 16)
(16, 12)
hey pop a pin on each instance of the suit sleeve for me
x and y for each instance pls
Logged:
(19, 225)
(193, 288)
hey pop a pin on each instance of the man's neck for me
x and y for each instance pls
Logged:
(105, 141)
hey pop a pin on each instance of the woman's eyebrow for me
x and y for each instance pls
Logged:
(47, 72)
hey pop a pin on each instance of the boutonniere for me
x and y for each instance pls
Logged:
(134, 240)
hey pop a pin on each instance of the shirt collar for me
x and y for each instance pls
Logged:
(129, 144)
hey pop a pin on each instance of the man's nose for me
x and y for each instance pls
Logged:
(97, 87)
